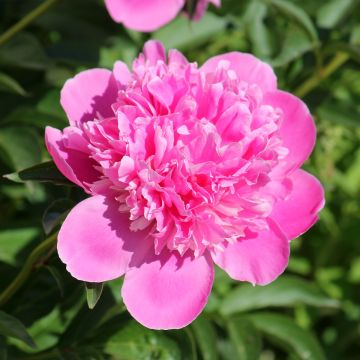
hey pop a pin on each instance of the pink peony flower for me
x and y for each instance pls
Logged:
(149, 15)
(186, 167)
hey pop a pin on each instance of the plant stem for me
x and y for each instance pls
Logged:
(25, 21)
(310, 84)
(29, 265)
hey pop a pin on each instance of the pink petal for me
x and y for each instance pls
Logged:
(73, 164)
(297, 213)
(143, 15)
(247, 67)
(297, 129)
(167, 291)
(122, 74)
(259, 258)
(89, 95)
(154, 50)
(95, 241)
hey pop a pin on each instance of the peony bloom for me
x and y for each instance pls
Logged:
(185, 166)
(149, 15)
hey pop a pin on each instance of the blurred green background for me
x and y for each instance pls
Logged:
(311, 312)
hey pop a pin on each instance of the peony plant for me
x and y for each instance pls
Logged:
(185, 167)
(150, 15)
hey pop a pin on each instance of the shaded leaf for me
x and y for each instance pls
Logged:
(181, 34)
(295, 44)
(205, 335)
(331, 13)
(93, 293)
(55, 213)
(136, 342)
(12, 327)
(24, 51)
(285, 291)
(285, 332)
(8, 84)
(21, 146)
(245, 338)
(46, 172)
(258, 32)
(296, 13)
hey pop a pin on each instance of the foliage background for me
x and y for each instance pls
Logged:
(311, 312)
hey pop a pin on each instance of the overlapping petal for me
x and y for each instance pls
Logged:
(247, 68)
(89, 95)
(143, 15)
(76, 165)
(259, 258)
(299, 211)
(168, 291)
(297, 130)
(95, 241)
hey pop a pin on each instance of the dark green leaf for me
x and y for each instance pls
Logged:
(24, 51)
(8, 84)
(93, 293)
(295, 44)
(333, 12)
(285, 332)
(12, 327)
(339, 114)
(21, 146)
(181, 34)
(259, 34)
(136, 342)
(352, 49)
(205, 335)
(46, 172)
(285, 291)
(55, 213)
(245, 338)
(297, 14)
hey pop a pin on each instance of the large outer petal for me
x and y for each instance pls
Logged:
(143, 15)
(297, 129)
(259, 258)
(89, 95)
(297, 213)
(247, 67)
(167, 291)
(73, 164)
(95, 241)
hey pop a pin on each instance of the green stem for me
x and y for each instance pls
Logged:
(25, 21)
(310, 84)
(29, 265)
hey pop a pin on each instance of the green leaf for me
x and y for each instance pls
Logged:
(21, 146)
(181, 34)
(339, 114)
(285, 291)
(55, 213)
(136, 342)
(93, 293)
(297, 14)
(12, 327)
(290, 336)
(45, 172)
(8, 84)
(351, 49)
(259, 34)
(205, 335)
(245, 338)
(24, 51)
(13, 240)
(3, 349)
(331, 13)
(295, 44)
